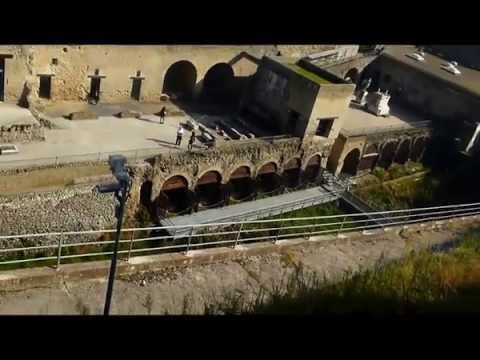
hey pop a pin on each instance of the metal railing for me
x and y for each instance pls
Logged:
(131, 155)
(58, 247)
(99, 157)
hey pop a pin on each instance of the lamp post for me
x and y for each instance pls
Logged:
(121, 190)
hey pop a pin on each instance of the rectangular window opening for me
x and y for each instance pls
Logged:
(324, 127)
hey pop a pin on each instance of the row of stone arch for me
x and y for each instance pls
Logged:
(385, 155)
(176, 195)
(181, 80)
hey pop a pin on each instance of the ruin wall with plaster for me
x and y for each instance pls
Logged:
(74, 63)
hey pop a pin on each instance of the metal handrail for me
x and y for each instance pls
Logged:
(396, 217)
(86, 157)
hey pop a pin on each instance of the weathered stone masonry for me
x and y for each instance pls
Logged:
(224, 159)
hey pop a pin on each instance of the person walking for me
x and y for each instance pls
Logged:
(162, 114)
(179, 135)
(191, 141)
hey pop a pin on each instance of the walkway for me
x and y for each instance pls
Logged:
(252, 210)
(11, 114)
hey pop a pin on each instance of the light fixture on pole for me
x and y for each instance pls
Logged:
(121, 190)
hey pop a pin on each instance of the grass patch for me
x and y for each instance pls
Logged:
(422, 282)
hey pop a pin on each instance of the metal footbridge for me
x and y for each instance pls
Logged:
(331, 189)
(256, 209)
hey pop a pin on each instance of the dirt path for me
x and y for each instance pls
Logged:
(189, 290)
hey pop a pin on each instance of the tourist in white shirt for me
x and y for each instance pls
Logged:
(179, 135)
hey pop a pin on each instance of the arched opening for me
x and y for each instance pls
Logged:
(387, 155)
(218, 83)
(241, 184)
(369, 158)
(350, 163)
(403, 152)
(291, 173)
(180, 79)
(353, 75)
(174, 196)
(208, 190)
(418, 149)
(267, 178)
(312, 169)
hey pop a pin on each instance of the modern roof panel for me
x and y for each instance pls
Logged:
(468, 80)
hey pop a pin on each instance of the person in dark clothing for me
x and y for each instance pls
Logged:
(162, 114)
(191, 141)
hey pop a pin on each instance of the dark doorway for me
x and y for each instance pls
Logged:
(208, 190)
(180, 79)
(95, 89)
(218, 83)
(369, 159)
(312, 170)
(267, 178)
(291, 173)
(241, 184)
(403, 152)
(45, 87)
(174, 197)
(350, 163)
(136, 88)
(387, 155)
(418, 149)
(2, 79)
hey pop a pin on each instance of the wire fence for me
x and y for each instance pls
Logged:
(131, 155)
(99, 157)
(57, 248)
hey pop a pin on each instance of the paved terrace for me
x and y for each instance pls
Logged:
(83, 140)
(13, 115)
(357, 121)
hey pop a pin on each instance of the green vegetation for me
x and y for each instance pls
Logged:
(423, 282)
(309, 75)
(400, 187)
(397, 171)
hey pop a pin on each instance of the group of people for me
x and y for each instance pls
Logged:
(180, 131)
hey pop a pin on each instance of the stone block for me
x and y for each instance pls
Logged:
(83, 115)
(129, 114)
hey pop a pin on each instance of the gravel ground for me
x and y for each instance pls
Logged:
(72, 209)
(190, 290)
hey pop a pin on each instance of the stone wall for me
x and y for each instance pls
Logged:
(225, 159)
(21, 133)
(345, 144)
(72, 65)
(359, 62)
(332, 101)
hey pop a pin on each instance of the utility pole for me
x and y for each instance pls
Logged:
(121, 190)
